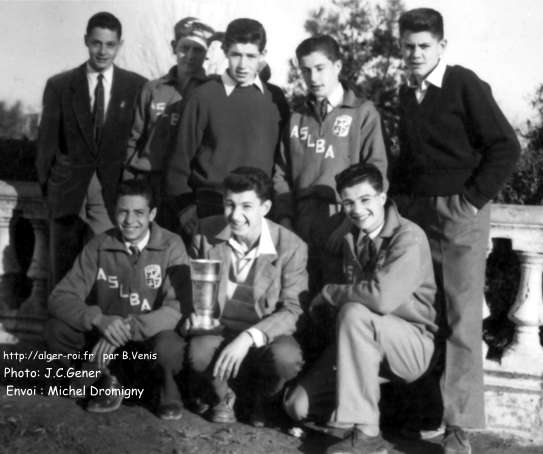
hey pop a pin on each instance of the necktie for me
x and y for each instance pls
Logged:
(323, 109)
(367, 253)
(98, 111)
(134, 253)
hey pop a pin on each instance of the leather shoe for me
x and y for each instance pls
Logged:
(109, 396)
(170, 411)
(357, 442)
(223, 412)
(257, 418)
(456, 441)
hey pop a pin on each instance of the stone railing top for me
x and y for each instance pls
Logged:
(522, 224)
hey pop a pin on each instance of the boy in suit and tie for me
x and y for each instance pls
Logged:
(86, 120)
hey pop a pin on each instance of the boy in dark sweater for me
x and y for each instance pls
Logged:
(230, 121)
(456, 151)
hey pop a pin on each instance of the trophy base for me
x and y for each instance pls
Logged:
(201, 331)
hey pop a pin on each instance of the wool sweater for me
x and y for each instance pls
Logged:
(220, 132)
(106, 279)
(456, 141)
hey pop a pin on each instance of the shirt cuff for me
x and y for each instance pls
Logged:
(259, 338)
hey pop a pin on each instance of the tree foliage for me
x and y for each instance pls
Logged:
(367, 35)
(525, 187)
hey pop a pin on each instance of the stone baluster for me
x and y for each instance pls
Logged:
(38, 272)
(9, 265)
(525, 352)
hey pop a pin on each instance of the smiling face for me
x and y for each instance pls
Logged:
(190, 55)
(421, 52)
(364, 206)
(244, 62)
(320, 74)
(244, 212)
(103, 45)
(133, 216)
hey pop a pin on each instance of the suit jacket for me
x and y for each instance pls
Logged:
(280, 282)
(67, 155)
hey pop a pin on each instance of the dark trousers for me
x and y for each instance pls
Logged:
(458, 241)
(265, 369)
(67, 236)
(311, 214)
(168, 347)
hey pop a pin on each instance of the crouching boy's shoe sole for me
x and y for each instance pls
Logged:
(456, 441)
(109, 396)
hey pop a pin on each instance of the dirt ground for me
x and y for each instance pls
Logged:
(41, 424)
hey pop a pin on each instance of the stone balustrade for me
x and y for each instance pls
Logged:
(513, 386)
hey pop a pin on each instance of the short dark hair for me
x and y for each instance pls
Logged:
(244, 31)
(422, 20)
(249, 179)
(137, 187)
(105, 20)
(360, 173)
(319, 43)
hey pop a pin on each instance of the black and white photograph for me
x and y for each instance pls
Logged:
(250, 226)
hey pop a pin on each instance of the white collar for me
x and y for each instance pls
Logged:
(230, 83)
(265, 242)
(108, 73)
(374, 234)
(336, 97)
(435, 77)
(142, 243)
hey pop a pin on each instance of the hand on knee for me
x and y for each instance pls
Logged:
(296, 403)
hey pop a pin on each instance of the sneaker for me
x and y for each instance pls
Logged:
(456, 441)
(109, 396)
(357, 442)
(223, 412)
(170, 411)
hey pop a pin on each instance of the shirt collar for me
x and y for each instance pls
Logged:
(229, 83)
(108, 73)
(435, 77)
(142, 243)
(265, 242)
(336, 97)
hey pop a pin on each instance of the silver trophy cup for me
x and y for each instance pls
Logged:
(205, 276)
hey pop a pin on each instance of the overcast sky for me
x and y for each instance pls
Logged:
(499, 39)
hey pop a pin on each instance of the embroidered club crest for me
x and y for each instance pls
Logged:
(153, 276)
(342, 125)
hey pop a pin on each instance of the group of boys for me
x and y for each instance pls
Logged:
(398, 298)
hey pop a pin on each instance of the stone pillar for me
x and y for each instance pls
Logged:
(38, 272)
(9, 265)
(525, 352)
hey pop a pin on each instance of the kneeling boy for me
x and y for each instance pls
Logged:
(263, 279)
(124, 292)
(385, 314)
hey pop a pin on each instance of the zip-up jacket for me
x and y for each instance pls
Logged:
(156, 120)
(106, 279)
(314, 151)
(402, 282)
